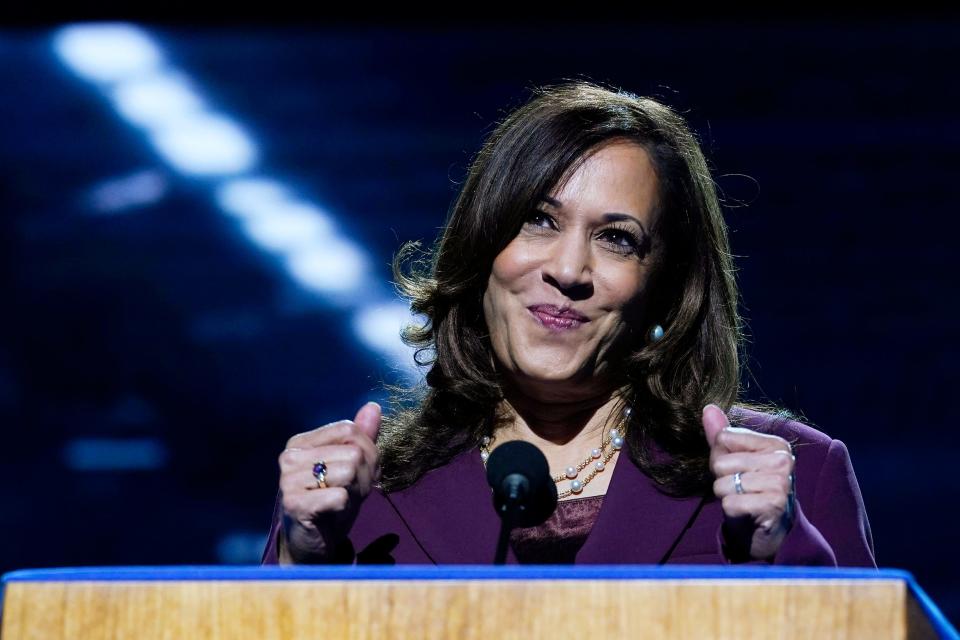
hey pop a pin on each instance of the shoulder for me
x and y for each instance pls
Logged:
(784, 425)
(811, 447)
(818, 455)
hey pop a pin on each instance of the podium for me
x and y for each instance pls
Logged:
(456, 601)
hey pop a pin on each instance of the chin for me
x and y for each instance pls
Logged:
(545, 377)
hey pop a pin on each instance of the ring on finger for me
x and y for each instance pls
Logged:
(320, 473)
(738, 483)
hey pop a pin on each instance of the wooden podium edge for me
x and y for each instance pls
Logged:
(924, 617)
(460, 572)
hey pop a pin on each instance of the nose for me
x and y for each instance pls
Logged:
(568, 266)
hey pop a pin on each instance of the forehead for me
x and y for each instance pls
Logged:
(616, 177)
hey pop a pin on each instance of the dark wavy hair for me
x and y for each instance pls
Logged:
(693, 294)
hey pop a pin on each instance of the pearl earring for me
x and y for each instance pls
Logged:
(656, 333)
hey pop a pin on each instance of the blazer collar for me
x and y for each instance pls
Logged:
(637, 523)
(450, 513)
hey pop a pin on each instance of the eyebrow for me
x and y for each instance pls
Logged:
(607, 217)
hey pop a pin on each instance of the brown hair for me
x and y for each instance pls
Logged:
(693, 296)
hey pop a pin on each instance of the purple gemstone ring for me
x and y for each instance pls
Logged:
(320, 473)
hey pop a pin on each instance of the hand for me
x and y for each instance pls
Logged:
(315, 519)
(759, 518)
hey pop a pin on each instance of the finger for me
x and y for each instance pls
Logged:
(297, 459)
(305, 505)
(714, 421)
(740, 439)
(338, 474)
(771, 462)
(758, 506)
(300, 463)
(342, 432)
(329, 433)
(368, 420)
(752, 482)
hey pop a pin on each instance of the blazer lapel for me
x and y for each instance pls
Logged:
(450, 512)
(637, 524)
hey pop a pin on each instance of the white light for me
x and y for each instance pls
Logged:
(379, 326)
(136, 190)
(335, 266)
(156, 100)
(251, 197)
(106, 52)
(290, 227)
(205, 145)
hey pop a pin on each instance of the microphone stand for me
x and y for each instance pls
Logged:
(524, 494)
(517, 486)
(501, 557)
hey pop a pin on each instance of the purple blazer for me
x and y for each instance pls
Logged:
(447, 516)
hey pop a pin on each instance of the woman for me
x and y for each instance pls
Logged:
(581, 298)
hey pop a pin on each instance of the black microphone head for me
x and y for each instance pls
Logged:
(523, 490)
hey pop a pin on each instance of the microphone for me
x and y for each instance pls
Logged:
(524, 494)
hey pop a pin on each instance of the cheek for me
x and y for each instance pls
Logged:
(494, 298)
(512, 263)
(628, 292)
(506, 277)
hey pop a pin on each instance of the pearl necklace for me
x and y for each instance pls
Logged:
(599, 457)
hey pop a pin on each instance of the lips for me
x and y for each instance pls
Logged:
(558, 312)
(555, 319)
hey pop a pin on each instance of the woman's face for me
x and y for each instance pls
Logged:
(564, 293)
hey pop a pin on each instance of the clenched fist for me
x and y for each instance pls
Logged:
(315, 518)
(754, 480)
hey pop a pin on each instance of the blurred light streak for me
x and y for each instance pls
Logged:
(130, 70)
(290, 227)
(129, 192)
(204, 144)
(156, 100)
(106, 52)
(334, 266)
(378, 326)
(251, 197)
(114, 454)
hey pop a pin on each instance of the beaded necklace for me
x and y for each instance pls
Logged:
(597, 459)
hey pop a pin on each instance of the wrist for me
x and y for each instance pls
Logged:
(300, 544)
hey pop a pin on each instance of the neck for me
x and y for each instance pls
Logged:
(552, 424)
(565, 431)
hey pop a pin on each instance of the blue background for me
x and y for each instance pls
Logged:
(155, 357)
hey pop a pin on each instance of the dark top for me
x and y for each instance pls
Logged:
(560, 537)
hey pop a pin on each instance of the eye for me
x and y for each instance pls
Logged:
(540, 218)
(622, 240)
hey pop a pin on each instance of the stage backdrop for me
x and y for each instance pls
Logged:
(197, 226)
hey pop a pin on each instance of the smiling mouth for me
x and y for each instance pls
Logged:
(555, 323)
